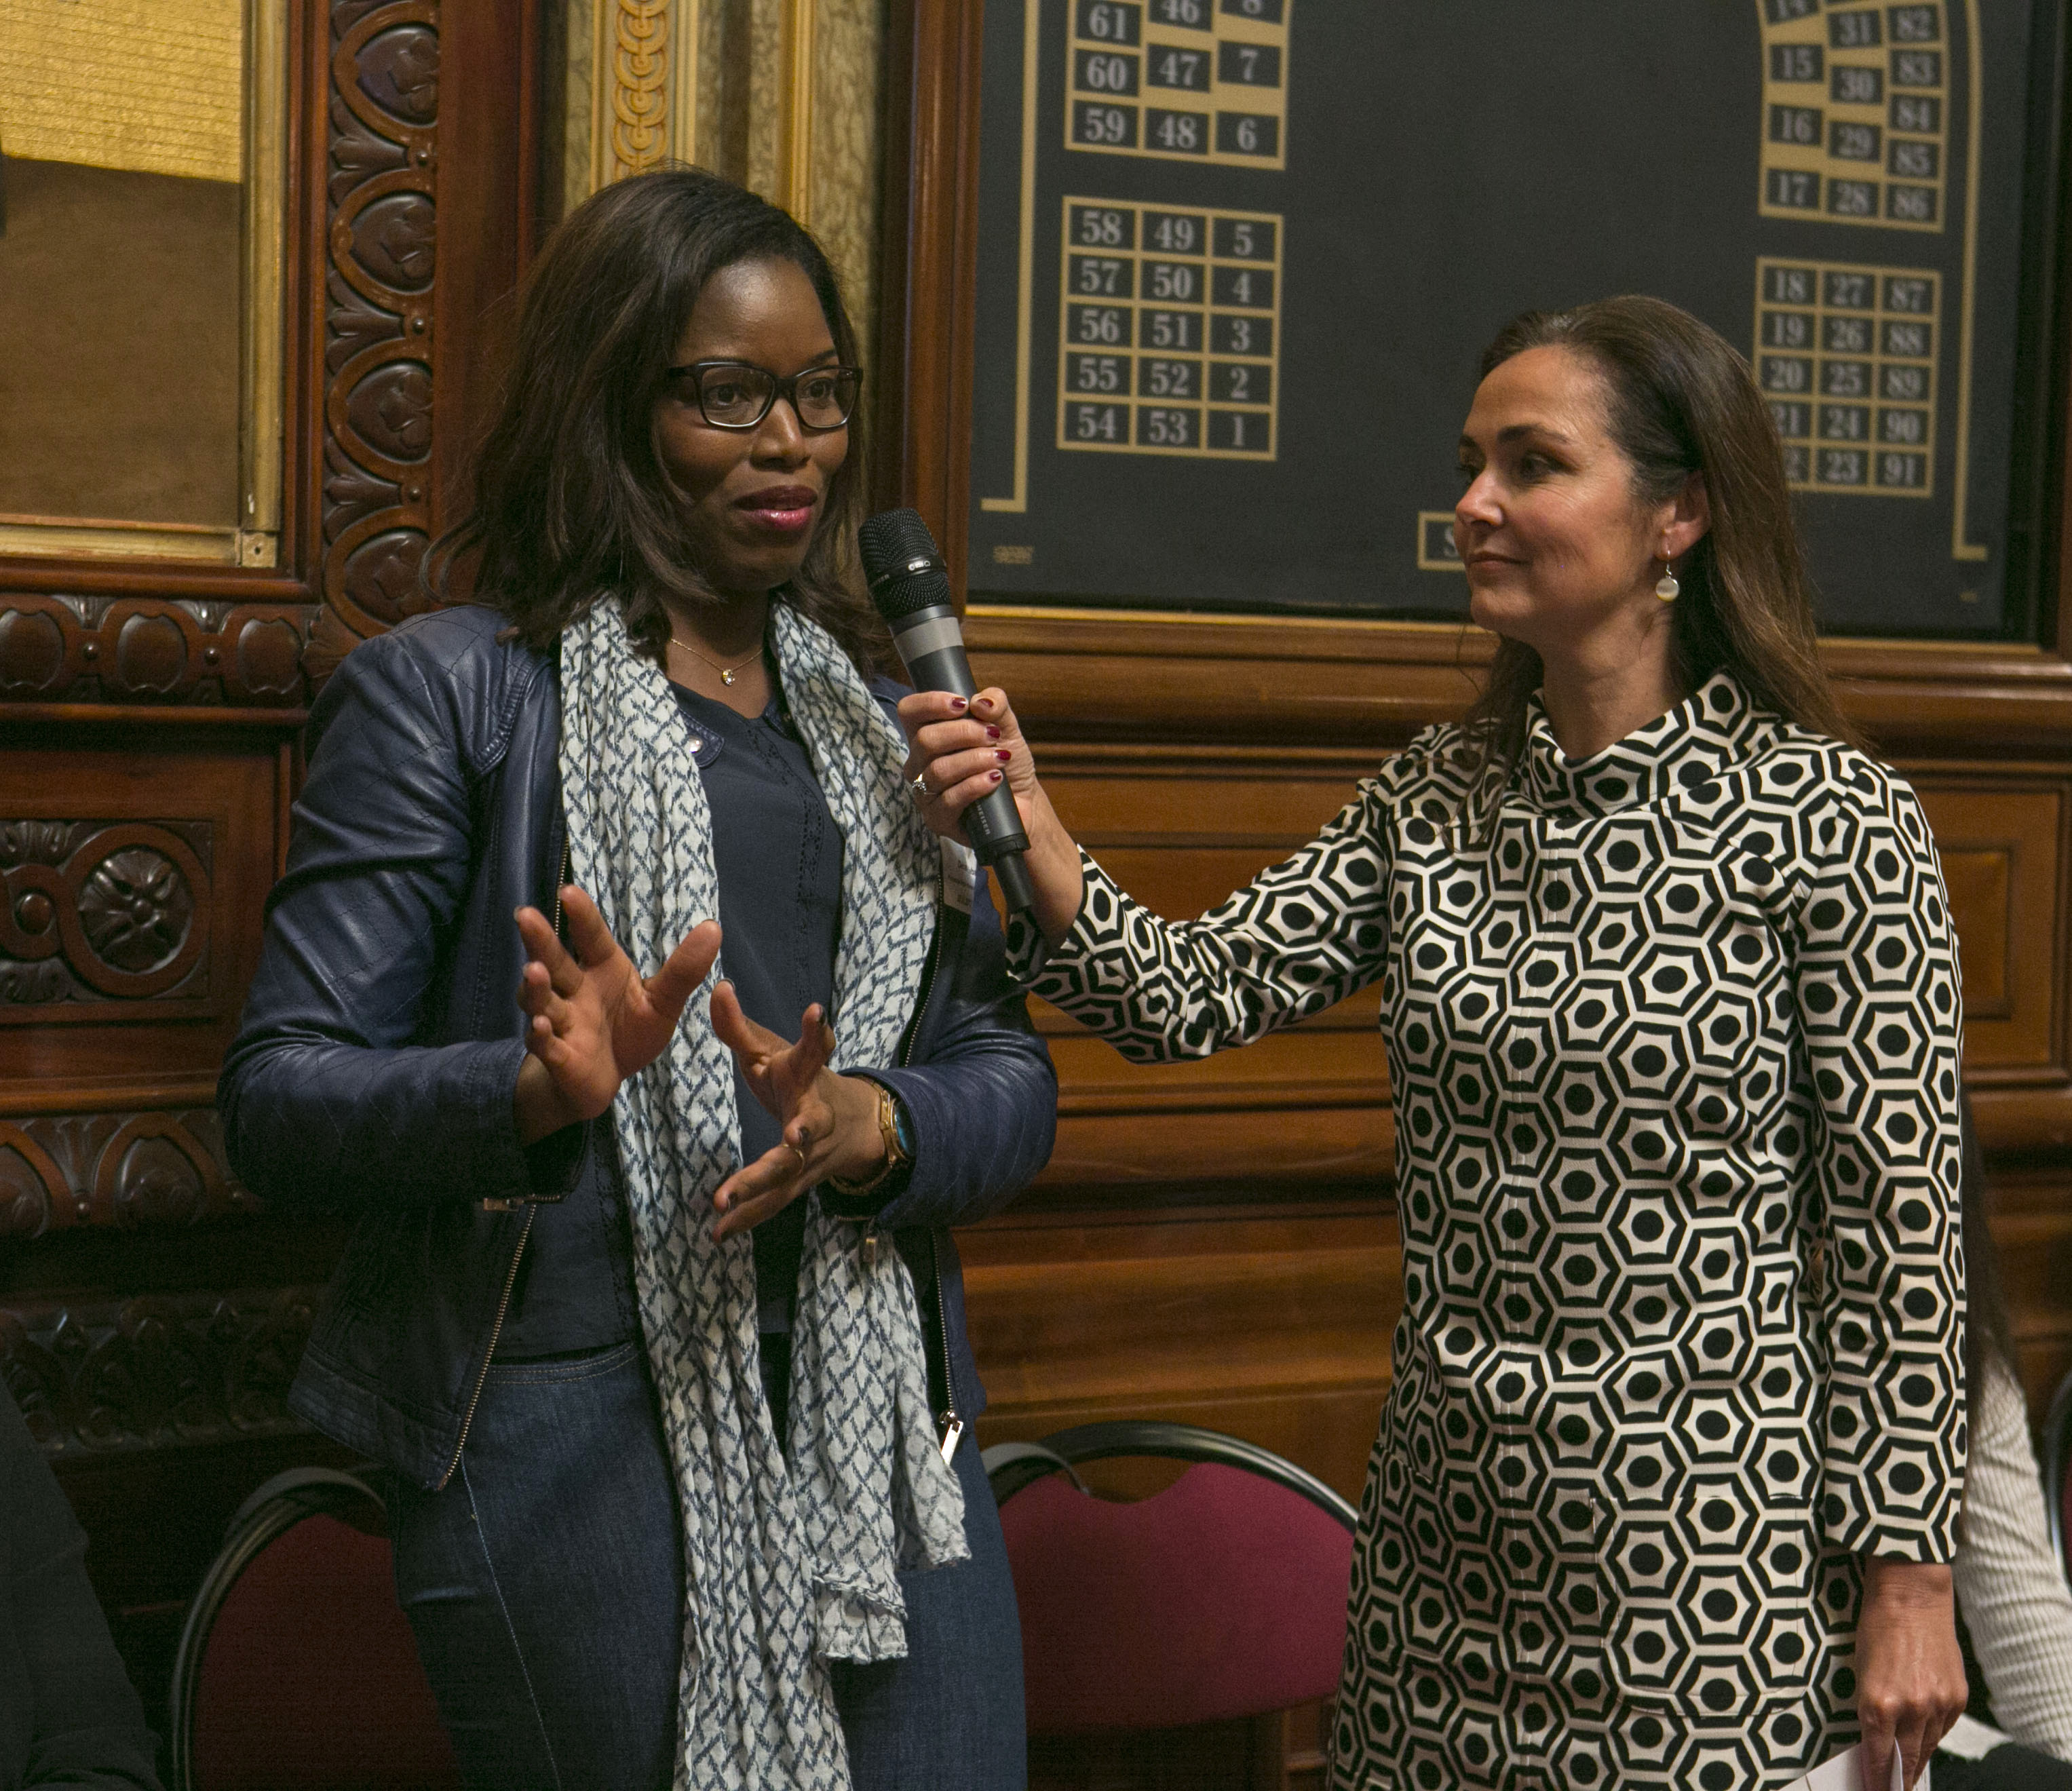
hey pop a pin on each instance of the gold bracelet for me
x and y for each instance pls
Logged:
(895, 1155)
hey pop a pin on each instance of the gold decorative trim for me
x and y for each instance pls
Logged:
(795, 171)
(1025, 312)
(265, 256)
(684, 113)
(629, 110)
(65, 537)
(1962, 546)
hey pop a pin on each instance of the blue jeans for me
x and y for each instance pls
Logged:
(545, 1583)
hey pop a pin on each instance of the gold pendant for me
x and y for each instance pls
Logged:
(726, 677)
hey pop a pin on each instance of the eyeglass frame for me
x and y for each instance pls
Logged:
(781, 386)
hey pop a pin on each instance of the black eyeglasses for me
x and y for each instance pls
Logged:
(737, 394)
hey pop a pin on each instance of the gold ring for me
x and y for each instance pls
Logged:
(919, 784)
(801, 1155)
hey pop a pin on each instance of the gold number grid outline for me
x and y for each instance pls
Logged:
(1878, 359)
(1816, 158)
(1221, 96)
(1432, 562)
(1130, 400)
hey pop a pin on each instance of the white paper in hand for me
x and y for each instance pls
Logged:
(1845, 1772)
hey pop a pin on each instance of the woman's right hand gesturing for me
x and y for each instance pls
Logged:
(591, 1020)
(961, 751)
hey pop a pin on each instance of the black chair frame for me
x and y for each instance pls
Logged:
(1011, 1466)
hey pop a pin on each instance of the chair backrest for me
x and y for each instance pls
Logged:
(296, 1670)
(1222, 1596)
(2057, 1472)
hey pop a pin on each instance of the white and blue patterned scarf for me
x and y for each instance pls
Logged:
(788, 1566)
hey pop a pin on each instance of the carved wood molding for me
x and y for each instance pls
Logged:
(1086, 674)
(198, 652)
(107, 1377)
(159, 1168)
(379, 355)
(93, 911)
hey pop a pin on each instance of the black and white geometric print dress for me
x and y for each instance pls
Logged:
(1674, 1049)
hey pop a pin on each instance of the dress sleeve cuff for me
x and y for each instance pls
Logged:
(1030, 957)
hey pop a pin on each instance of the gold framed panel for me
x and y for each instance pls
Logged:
(253, 538)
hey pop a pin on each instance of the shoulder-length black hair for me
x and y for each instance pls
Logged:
(572, 502)
(1679, 401)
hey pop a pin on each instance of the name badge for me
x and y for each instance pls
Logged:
(960, 874)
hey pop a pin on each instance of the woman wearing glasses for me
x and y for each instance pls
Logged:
(654, 1312)
(1666, 1487)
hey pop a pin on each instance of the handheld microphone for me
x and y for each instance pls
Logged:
(911, 587)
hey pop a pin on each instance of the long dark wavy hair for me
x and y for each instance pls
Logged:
(572, 502)
(1679, 401)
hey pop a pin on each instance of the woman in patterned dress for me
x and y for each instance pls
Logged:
(1665, 1487)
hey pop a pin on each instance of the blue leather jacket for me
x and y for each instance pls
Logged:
(375, 1070)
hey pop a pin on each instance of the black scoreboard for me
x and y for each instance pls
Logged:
(1237, 260)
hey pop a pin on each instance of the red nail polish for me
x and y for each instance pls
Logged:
(992, 734)
(959, 704)
(992, 777)
(1004, 756)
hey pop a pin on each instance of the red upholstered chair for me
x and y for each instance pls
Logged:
(296, 1670)
(1223, 1597)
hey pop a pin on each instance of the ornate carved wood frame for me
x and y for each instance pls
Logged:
(378, 344)
(149, 710)
(255, 540)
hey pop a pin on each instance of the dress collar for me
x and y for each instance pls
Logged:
(1683, 749)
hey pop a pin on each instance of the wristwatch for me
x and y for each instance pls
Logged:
(895, 1129)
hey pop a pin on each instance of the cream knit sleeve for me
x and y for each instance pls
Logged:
(2010, 1586)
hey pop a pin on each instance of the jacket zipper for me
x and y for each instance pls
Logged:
(953, 1426)
(495, 1331)
(518, 1255)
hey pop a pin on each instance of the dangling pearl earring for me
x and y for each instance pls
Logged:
(1666, 588)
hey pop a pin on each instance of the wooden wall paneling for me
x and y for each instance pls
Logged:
(489, 54)
(150, 1317)
(414, 285)
(928, 279)
(134, 882)
(84, 651)
(380, 349)
(1181, 828)
(2006, 843)
(1270, 1323)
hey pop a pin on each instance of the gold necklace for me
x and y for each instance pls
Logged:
(726, 672)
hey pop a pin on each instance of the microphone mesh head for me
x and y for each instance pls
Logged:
(891, 542)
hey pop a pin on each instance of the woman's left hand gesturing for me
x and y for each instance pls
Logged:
(830, 1122)
(1909, 1671)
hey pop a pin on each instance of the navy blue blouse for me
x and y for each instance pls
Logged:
(778, 856)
